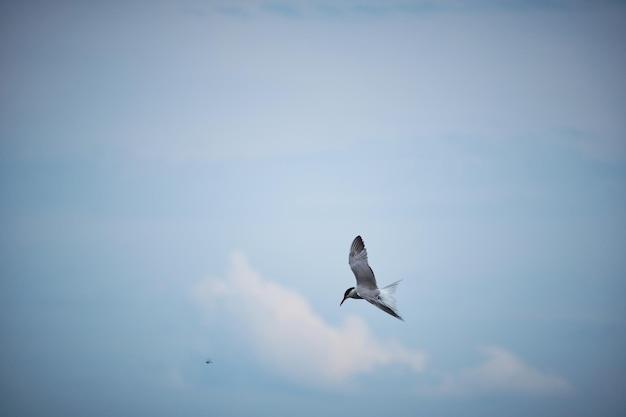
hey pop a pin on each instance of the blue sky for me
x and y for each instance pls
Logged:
(182, 181)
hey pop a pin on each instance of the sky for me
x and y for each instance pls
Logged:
(181, 181)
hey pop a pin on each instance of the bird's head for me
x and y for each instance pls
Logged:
(349, 293)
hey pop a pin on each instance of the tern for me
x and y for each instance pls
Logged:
(366, 287)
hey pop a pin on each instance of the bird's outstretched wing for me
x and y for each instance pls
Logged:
(358, 263)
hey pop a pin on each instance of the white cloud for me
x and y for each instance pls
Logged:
(290, 338)
(501, 372)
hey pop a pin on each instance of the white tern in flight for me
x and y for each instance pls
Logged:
(366, 287)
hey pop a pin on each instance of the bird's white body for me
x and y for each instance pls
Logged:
(366, 287)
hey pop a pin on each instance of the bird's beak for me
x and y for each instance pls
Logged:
(344, 299)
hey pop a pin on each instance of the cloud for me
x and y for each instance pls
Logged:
(287, 335)
(501, 372)
(308, 8)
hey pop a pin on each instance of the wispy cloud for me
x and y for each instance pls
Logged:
(290, 338)
(501, 372)
(282, 9)
(384, 8)
(268, 78)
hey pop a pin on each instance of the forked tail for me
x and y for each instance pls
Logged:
(386, 297)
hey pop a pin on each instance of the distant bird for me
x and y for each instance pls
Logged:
(366, 287)
(208, 361)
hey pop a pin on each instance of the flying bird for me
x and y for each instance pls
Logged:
(208, 361)
(366, 287)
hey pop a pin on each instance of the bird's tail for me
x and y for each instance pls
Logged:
(386, 296)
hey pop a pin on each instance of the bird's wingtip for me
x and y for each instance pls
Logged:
(357, 244)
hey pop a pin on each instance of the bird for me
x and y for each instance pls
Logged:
(366, 287)
(208, 361)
